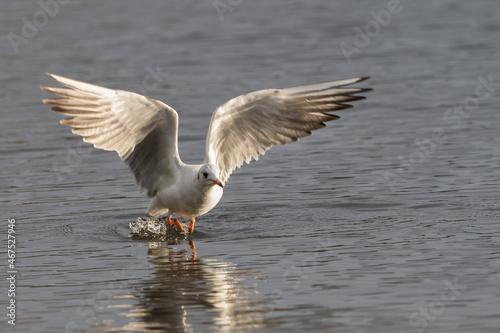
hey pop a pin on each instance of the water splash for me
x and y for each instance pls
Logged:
(155, 228)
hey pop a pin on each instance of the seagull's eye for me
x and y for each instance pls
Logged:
(205, 174)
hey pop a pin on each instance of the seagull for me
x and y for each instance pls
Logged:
(143, 131)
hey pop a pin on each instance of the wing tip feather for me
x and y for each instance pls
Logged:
(363, 90)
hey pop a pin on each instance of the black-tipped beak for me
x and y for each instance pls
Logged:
(217, 182)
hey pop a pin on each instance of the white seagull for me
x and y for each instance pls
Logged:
(143, 131)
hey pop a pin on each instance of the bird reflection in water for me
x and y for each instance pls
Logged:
(188, 294)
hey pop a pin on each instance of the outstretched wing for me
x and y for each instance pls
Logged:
(245, 127)
(142, 130)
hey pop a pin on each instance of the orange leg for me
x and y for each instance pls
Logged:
(191, 225)
(193, 251)
(177, 224)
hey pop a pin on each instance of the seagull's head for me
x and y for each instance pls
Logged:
(208, 175)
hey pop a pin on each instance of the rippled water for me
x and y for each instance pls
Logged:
(385, 221)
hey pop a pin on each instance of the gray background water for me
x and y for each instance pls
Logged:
(385, 221)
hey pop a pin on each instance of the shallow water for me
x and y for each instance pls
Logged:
(385, 221)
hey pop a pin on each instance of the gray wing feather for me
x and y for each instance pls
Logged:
(247, 126)
(142, 130)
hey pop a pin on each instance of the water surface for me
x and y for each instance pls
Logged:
(385, 221)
